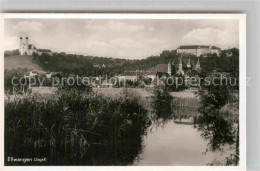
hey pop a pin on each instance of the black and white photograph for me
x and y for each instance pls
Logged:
(124, 90)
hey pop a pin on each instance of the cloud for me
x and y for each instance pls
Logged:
(94, 27)
(117, 26)
(11, 43)
(210, 35)
(120, 38)
(27, 26)
(126, 43)
(96, 45)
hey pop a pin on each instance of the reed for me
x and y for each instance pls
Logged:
(74, 128)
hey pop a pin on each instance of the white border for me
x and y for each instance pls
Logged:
(242, 92)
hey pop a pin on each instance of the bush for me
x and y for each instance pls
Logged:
(19, 87)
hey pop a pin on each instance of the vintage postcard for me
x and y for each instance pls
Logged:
(124, 90)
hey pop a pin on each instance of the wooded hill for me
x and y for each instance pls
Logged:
(83, 65)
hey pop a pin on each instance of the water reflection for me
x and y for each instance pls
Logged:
(175, 144)
(173, 139)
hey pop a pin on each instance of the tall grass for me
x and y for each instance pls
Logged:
(75, 128)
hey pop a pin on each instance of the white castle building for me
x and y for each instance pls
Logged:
(198, 50)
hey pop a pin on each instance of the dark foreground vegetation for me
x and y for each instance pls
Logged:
(75, 128)
(218, 124)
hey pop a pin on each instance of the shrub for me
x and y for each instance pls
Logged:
(19, 87)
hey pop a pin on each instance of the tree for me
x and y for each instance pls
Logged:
(162, 104)
(215, 124)
(175, 83)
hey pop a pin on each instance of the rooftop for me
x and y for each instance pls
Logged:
(197, 47)
(162, 68)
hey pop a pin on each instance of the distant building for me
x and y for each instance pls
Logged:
(151, 73)
(103, 66)
(28, 49)
(229, 53)
(197, 67)
(25, 48)
(96, 65)
(164, 70)
(128, 76)
(188, 64)
(180, 70)
(48, 75)
(31, 74)
(198, 50)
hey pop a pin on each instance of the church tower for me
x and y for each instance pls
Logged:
(169, 68)
(188, 64)
(180, 63)
(198, 64)
(173, 69)
(22, 48)
(21, 42)
(197, 68)
(180, 71)
(27, 41)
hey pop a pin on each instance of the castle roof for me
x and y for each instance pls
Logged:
(134, 73)
(198, 47)
(162, 68)
(147, 73)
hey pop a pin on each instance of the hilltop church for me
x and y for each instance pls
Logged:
(28, 49)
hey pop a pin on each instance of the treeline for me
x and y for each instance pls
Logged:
(72, 64)
(83, 65)
(11, 52)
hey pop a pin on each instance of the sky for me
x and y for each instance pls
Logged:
(127, 39)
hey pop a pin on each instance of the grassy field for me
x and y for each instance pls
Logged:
(116, 92)
(18, 61)
(144, 93)
(184, 94)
